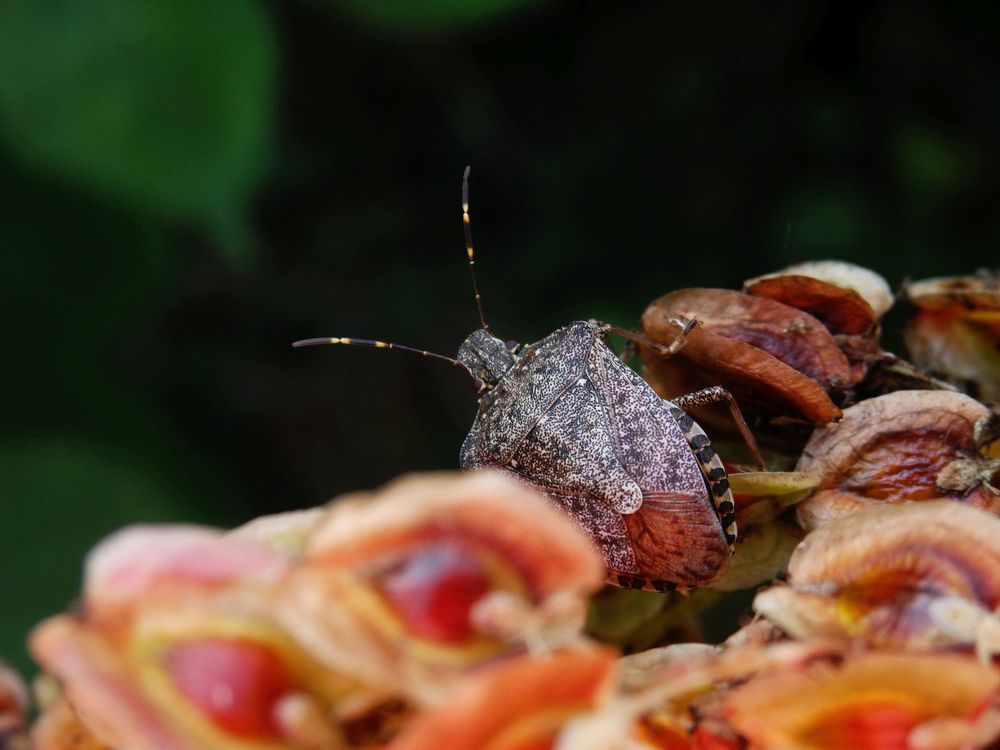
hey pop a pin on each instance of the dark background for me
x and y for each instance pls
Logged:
(186, 187)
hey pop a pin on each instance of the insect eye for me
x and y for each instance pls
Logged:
(478, 385)
(512, 346)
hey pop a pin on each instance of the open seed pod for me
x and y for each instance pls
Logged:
(872, 701)
(903, 446)
(176, 647)
(777, 361)
(437, 574)
(955, 332)
(848, 299)
(520, 704)
(915, 576)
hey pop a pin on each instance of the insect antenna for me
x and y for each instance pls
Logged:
(467, 226)
(383, 345)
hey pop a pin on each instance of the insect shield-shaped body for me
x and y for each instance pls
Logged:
(567, 416)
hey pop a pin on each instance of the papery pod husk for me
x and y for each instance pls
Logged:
(842, 311)
(518, 704)
(892, 449)
(955, 331)
(761, 382)
(848, 299)
(792, 336)
(867, 285)
(549, 564)
(873, 701)
(880, 575)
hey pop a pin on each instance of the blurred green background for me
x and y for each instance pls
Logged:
(187, 187)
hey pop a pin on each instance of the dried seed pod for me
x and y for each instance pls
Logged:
(842, 311)
(792, 336)
(874, 701)
(437, 574)
(956, 330)
(850, 299)
(177, 648)
(891, 576)
(902, 446)
(519, 704)
(756, 376)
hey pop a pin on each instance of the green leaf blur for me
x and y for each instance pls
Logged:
(402, 16)
(162, 105)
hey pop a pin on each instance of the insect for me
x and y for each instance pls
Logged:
(566, 415)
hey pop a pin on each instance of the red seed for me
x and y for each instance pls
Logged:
(235, 682)
(433, 591)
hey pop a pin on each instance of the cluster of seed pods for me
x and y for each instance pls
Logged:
(466, 612)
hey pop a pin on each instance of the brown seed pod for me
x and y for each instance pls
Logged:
(903, 446)
(792, 336)
(760, 380)
(842, 311)
(874, 701)
(871, 288)
(435, 575)
(956, 331)
(896, 577)
(848, 299)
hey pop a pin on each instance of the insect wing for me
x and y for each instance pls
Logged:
(676, 535)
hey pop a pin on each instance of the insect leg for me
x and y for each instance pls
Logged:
(714, 395)
(666, 350)
(628, 351)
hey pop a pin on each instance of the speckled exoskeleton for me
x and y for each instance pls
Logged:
(567, 416)
(638, 474)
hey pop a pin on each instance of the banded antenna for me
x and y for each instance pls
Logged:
(467, 225)
(344, 341)
(383, 345)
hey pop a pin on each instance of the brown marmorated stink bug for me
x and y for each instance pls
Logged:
(569, 417)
